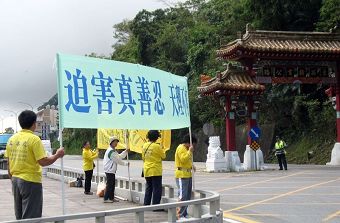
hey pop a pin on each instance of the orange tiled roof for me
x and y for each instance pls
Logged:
(230, 82)
(279, 43)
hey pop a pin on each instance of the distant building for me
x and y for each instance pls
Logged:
(47, 121)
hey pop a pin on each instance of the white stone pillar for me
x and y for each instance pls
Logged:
(233, 161)
(216, 162)
(335, 158)
(249, 159)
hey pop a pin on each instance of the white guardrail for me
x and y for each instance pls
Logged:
(204, 208)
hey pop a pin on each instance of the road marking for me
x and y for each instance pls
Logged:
(264, 181)
(329, 217)
(282, 203)
(282, 195)
(230, 220)
(272, 215)
(236, 219)
(302, 204)
(297, 186)
(319, 194)
(232, 194)
(221, 178)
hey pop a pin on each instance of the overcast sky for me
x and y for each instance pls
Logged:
(33, 31)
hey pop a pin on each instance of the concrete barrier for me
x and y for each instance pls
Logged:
(204, 207)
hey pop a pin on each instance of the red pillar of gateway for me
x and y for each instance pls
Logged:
(230, 125)
(251, 120)
(337, 101)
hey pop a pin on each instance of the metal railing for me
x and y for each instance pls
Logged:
(3, 164)
(206, 208)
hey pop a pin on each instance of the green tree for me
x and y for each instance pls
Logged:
(9, 130)
(290, 15)
(183, 40)
(125, 49)
(329, 15)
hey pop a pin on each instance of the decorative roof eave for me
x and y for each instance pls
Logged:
(231, 92)
(242, 53)
(230, 82)
(279, 43)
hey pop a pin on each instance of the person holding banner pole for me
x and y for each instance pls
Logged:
(111, 159)
(152, 155)
(62, 180)
(26, 155)
(88, 157)
(193, 169)
(183, 172)
(127, 157)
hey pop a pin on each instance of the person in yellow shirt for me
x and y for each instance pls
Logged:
(152, 155)
(25, 155)
(88, 165)
(183, 172)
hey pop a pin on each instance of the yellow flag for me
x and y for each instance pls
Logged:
(136, 139)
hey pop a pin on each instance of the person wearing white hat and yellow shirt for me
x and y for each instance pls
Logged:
(111, 159)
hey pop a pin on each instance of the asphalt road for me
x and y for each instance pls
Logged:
(304, 193)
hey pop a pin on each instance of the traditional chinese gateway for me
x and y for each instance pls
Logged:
(274, 57)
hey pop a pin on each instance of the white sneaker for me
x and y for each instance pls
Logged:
(186, 218)
(183, 218)
(108, 201)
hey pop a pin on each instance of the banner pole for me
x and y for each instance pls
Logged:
(127, 157)
(98, 167)
(62, 173)
(193, 172)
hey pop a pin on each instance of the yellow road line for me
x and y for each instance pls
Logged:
(248, 194)
(264, 181)
(329, 217)
(275, 187)
(283, 203)
(319, 194)
(238, 218)
(271, 215)
(282, 195)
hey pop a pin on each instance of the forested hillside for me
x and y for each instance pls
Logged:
(183, 40)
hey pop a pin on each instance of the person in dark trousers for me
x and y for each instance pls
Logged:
(183, 172)
(88, 166)
(280, 152)
(26, 155)
(111, 159)
(152, 155)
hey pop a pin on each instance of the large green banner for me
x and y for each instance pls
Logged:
(98, 93)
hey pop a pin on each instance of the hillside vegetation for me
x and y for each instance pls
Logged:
(183, 40)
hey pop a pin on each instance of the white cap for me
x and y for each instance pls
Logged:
(113, 138)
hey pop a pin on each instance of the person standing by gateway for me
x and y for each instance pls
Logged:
(280, 152)
(152, 155)
(25, 154)
(183, 174)
(111, 159)
(88, 166)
